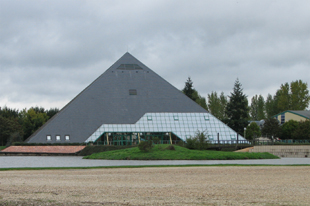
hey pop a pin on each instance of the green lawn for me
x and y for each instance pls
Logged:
(180, 153)
(2, 147)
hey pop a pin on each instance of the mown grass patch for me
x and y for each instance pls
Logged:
(159, 152)
(2, 147)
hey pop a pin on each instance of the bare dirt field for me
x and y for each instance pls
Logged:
(280, 185)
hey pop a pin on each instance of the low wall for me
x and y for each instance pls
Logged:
(300, 151)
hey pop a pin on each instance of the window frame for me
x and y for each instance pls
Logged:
(48, 137)
(58, 137)
(67, 137)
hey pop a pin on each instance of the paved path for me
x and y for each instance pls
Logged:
(76, 161)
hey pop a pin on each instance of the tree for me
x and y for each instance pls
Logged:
(193, 94)
(7, 127)
(302, 131)
(288, 128)
(261, 108)
(283, 95)
(257, 108)
(271, 128)
(200, 100)
(269, 106)
(252, 131)
(51, 112)
(199, 141)
(15, 124)
(299, 95)
(9, 113)
(237, 109)
(217, 105)
(33, 120)
(189, 89)
(294, 96)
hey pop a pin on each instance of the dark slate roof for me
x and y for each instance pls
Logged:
(107, 100)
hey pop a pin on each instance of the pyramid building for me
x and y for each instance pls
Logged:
(127, 104)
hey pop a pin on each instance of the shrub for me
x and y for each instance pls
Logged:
(156, 140)
(181, 143)
(191, 143)
(170, 147)
(200, 141)
(145, 146)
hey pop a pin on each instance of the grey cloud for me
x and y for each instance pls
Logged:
(51, 50)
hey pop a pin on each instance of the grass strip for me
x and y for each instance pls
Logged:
(160, 152)
(147, 166)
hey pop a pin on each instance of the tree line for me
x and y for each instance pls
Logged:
(235, 111)
(17, 126)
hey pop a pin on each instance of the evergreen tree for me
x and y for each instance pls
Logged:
(193, 94)
(189, 89)
(237, 109)
(51, 112)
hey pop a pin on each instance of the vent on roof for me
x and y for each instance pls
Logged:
(129, 67)
(132, 92)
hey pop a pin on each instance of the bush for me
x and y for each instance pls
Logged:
(145, 146)
(200, 141)
(191, 143)
(156, 140)
(170, 147)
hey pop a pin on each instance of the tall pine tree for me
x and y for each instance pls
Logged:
(237, 109)
(193, 94)
(189, 89)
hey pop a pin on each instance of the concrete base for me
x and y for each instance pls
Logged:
(299, 151)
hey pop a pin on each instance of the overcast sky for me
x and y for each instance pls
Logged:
(52, 50)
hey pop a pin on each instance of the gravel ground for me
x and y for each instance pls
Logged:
(258, 185)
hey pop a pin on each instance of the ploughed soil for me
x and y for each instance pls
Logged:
(227, 185)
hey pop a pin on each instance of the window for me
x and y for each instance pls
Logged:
(149, 118)
(282, 118)
(48, 137)
(67, 137)
(129, 67)
(57, 137)
(132, 92)
(175, 117)
(206, 117)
